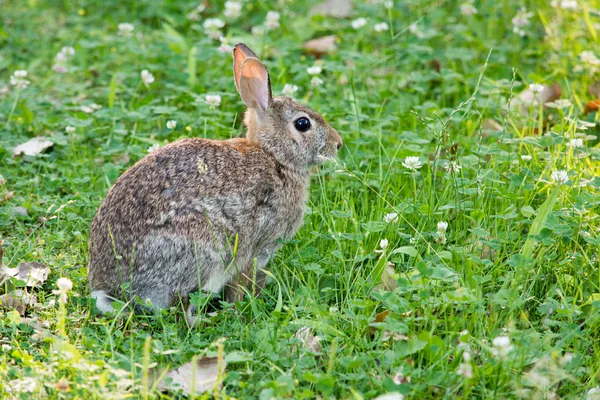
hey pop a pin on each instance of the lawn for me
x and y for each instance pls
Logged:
(451, 251)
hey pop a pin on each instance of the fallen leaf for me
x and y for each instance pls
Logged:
(309, 341)
(34, 274)
(592, 106)
(333, 8)
(389, 278)
(321, 46)
(197, 376)
(33, 147)
(381, 316)
(18, 300)
(594, 89)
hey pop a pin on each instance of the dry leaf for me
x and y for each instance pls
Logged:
(33, 147)
(594, 89)
(389, 277)
(592, 106)
(309, 341)
(195, 377)
(381, 316)
(333, 8)
(18, 300)
(321, 46)
(34, 274)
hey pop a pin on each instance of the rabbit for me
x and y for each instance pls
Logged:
(209, 214)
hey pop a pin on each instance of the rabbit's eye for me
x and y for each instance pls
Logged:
(302, 124)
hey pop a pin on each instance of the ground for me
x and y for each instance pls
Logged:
(450, 252)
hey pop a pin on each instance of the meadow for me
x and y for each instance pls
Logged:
(451, 251)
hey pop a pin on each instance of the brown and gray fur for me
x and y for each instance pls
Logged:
(200, 214)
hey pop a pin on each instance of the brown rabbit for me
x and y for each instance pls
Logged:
(199, 213)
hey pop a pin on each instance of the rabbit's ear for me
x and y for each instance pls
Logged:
(255, 86)
(240, 53)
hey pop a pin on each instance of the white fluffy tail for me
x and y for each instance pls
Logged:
(103, 301)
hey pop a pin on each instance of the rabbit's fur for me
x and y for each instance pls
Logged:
(203, 214)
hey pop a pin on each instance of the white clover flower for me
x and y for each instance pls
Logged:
(560, 177)
(536, 88)
(442, 227)
(212, 27)
(359, 23)
(467, 9)
(383, 243)
(502, 346)
(412, 162)
(64, 284)
(412, 240)
(289, 89)
(64, 287)
(258, 30)
(194, 15)
(526, 157)
(125, 29)
(225, 47)
(390, 218)
(6, 347)
(18, 79)
(575, 143)
(18, 386)
(213, 101)
(314, 70)
(153, 148)
(380, 27)
(452, 167)
(91, 108)
(272, 20)
(415, 30)
(171, 124)
(233, 9)
(465, 369)
(589, 58)
(559, 103)
(593, 394)
(388, 4)
(147, 77)
(565, 4)
(520, 21)
(70, 129)
(316, 81)
(60, 61)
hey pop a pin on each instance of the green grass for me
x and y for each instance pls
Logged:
(519, 257)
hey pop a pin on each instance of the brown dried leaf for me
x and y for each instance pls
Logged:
(197, 376)
(33, 147)
(389, 277)
(34, 274)
(592, 106)
(18, 300)
(381, 316)
(594, 89)
(309, 341)
(321, 46)
(333, 8)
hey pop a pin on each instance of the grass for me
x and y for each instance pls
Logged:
(420, 317)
